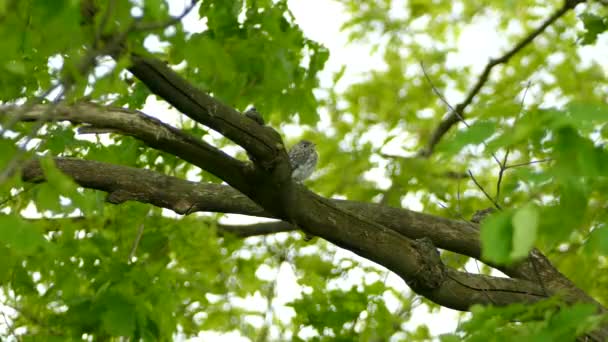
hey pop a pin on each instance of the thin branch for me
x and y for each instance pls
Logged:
(103, 22)
(140, 232)
(446, 174)
(83, 68)
(458, 112)
(500, 173)
(9, 327)
(458, 203)
(439, 94)
(452, 214)
(270, 295)
(546, 160)
(172, 21)
(503, 165)
(479, 271)
(436, 91)
(484, 191)
(12, 197)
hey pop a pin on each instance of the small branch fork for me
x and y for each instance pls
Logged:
(501, 164)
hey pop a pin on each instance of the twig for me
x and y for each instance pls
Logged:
(457, 113)
(484, 191)
(485, 291)
(453, 214)
(500, 174)
(103, 22)
(438, 93)
(12, 197)
(140, 232)
(87, 63)
(529, 163)
(174, 20)
(443, 99)
(458, 206)
(503, 165)
(270, 295)
(9, 327)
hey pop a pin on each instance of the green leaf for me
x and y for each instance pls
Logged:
(20, 235)
(598, 241)
(8, 149)
(594, 25)
(497, 237)
(450, 338)
(16, 67)
(47, 198)
(571, 322)
(475, 134)
(119, 318)
(582, 111)
(525, 226)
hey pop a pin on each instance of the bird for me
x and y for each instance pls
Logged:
(480, 215)
(303, 158)
(254, 115)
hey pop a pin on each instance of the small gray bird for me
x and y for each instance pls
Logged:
(480, 215)
(303, 158)
(254, 115)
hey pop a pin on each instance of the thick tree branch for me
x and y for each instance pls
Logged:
(457, 114)
(150, 130)
(255, 229)
(274, 190)
(126, 183)
(447, 287)
(262, 142)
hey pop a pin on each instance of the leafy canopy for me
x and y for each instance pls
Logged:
(534, 141)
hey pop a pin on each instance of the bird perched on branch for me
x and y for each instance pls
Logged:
(254, 115)
(303, 158)
(480, 215)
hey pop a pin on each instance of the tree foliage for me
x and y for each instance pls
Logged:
(112, 220)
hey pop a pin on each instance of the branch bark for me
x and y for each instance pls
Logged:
(451, 288)
(126, 183)
(184, 197)
(150, 130)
